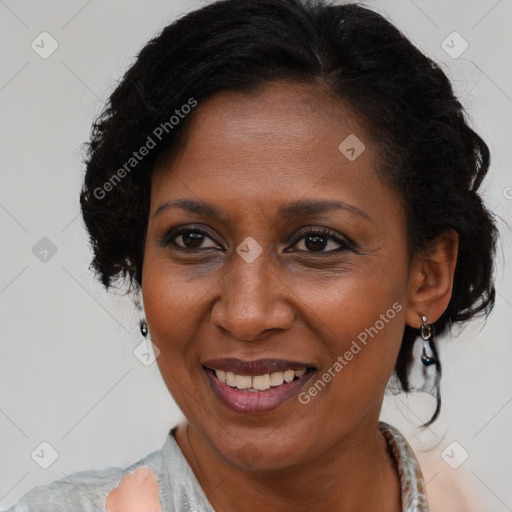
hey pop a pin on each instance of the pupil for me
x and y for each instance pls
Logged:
(192, 240)
(318, 242)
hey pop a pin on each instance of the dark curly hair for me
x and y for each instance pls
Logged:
(430, 154)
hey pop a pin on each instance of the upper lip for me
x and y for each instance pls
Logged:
(257, 367)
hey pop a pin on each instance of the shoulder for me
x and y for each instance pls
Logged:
(444, 488)
(86, 491)
(448, 489)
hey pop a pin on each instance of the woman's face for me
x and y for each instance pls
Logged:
(268, 278)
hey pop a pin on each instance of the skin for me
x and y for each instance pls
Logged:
(137, 492)
(248, 155)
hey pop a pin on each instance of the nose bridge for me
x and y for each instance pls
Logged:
(251, 300)
(250, 283)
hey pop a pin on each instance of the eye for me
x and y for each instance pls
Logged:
(189, 238)
(320, 239)
(313, 241)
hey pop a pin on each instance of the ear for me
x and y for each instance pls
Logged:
(431, 280)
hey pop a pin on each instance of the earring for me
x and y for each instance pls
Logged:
(428, 355)
(144, 328)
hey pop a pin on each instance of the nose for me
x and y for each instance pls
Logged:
(253, 300)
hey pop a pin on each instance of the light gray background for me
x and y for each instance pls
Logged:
(67, 369)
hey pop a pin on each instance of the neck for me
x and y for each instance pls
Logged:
(357, 473)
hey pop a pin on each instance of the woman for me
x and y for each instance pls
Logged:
(292, 189)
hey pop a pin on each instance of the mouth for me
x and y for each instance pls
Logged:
(254, 387)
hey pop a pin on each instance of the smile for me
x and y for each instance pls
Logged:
(258, 382)
(252, 387)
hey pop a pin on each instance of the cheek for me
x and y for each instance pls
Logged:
(361, 322)
(171, 310)
(172, 300)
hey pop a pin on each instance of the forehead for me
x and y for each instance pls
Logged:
(286, 103)
(284, 141)
(297, 116)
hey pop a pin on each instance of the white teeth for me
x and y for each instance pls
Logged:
(230, 379)
(261, 382)
(289, 375)
(243, 381)
(276, 378)
(258, 382)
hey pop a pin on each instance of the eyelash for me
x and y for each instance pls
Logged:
(170, 236)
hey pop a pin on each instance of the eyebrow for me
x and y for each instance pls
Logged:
(305, 207)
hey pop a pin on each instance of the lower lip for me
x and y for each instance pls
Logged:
(256, 402)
